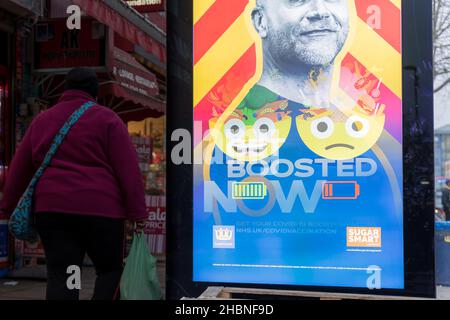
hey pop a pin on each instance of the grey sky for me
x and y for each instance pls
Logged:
(442, 108)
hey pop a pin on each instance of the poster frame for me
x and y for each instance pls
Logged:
(418, 158)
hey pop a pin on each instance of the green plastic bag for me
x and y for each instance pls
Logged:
(139, 279)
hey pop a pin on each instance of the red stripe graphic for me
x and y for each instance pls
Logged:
(213, 24)
(351, 74)
(389, 17)
(226, 90)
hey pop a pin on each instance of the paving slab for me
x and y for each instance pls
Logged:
(27, 288)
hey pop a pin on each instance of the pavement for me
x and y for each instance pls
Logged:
(443, 293)
(33, 287)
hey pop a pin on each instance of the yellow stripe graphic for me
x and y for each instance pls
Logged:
(397, 3)
(221, 57)
(236, 40)
(200, 8)
(383, 60)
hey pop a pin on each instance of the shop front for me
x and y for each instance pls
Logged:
(148, 136)
(16, 20)
(4, 104)
(127, 87)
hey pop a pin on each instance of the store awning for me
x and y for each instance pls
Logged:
(128, 24)
(133, 90)
(122, 100)
(132, 75)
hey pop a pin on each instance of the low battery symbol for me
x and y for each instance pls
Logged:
(341, 190)
(249, 190)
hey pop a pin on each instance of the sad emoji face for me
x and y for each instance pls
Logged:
(249, 135)
(332, 135)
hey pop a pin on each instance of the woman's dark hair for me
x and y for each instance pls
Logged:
(83, 79)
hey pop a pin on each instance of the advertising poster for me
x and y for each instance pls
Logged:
(33, 250)
(298, 157)
(155, 228)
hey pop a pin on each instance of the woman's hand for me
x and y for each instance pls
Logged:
(140, 225)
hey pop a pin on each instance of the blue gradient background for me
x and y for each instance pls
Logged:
(376, 207)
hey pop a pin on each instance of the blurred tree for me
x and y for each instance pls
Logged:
(441, 44)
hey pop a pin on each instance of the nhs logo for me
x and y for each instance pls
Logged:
(223, 237)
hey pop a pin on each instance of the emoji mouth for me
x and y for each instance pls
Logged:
(340, 145)
(249, 148)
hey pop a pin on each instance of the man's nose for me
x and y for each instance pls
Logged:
(318, 10)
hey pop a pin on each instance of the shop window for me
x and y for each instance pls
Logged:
(4, 45)
(148, 136)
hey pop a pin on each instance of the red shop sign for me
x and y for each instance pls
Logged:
(35, 250)
(59, 47)
(147, 5)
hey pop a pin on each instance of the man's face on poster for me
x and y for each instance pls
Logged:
(309, 32)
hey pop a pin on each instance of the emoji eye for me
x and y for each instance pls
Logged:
(234, 129)
(264, 128)
(322, 128)
(357, 127)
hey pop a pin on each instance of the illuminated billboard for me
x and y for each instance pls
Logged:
(298, 126)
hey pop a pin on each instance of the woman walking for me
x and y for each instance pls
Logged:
(93, 184)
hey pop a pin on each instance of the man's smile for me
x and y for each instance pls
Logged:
(317, 33)
(340, 145)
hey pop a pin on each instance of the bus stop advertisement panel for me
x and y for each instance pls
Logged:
(302, 134)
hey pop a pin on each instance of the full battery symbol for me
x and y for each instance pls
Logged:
(249, 190)
(341, 190)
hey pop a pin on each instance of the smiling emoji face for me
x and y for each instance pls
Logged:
(249, 135)
(339, 137)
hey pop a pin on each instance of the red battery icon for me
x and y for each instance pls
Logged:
(341, 190)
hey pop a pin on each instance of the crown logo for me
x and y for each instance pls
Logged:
(223, 234)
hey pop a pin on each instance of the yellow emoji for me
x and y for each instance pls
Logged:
(332, 135)
(249, 135)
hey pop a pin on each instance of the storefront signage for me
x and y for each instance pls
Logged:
(133, 76)
(33, 250)
(143, 147)
(155, 228)
(147, 5)
(58, 47)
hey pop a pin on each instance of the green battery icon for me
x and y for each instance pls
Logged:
(249, 190)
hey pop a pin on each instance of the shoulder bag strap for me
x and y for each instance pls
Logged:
(58, 139)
